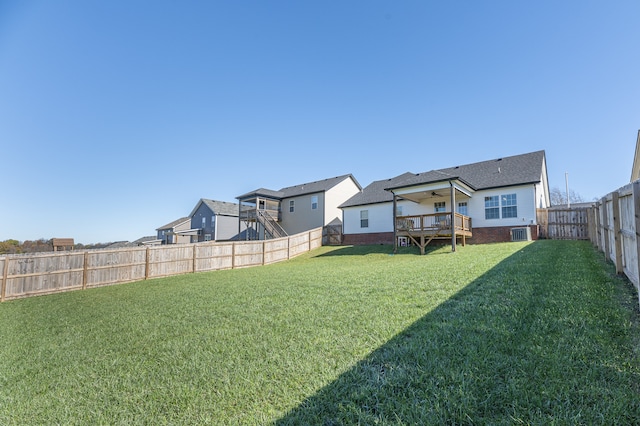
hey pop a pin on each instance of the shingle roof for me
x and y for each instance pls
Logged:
(375, 192)
(223, 208)
(505, 171)
(318, 186)
(302, 189)
(268, 193)
(501, 172)
(173, 224)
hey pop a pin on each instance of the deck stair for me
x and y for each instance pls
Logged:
(271, 227)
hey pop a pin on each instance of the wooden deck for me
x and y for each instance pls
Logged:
(422, 229)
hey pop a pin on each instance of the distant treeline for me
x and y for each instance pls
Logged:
(37, 246)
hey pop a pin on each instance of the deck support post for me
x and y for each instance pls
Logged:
(453, 217)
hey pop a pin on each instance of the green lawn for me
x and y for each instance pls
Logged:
(531, 333)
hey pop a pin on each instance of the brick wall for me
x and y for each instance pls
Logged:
(497, 234)
(374, 238)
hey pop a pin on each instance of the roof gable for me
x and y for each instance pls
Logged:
(317, 186)
(173, 224)
(375, 192)
(302, 189)
(218, 207)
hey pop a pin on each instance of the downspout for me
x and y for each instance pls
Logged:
(453, 217)
(395, 238)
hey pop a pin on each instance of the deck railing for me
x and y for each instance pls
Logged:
(251, 213)
(433, 221)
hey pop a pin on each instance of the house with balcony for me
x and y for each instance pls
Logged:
(488, 201)
(267, 213)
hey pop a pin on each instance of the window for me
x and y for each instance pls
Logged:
(204, 222)
(492, 207)
(463, 208)
(314, 202)
(440, 207)
(207, 237)
(292, 206)
(509, 206)
(398, 210)
(364, 218)
(213, 220)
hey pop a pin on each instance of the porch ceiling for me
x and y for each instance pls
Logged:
(425, 195)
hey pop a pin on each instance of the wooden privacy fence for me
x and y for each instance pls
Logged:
(616, 224)
(37, 274)
(564, 224)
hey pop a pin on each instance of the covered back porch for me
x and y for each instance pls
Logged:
(445, 198)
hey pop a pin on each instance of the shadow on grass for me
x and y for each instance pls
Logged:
(506, 349)
(362, 250)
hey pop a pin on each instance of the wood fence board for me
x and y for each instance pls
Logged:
(276, 250)
(214, 257)
(564, 224)
(27, 275)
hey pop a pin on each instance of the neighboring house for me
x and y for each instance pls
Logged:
(214, 221)
(635, 170)
(491, 198)
(294, 209)
(119, 245)
(172, 233)
(149, 240)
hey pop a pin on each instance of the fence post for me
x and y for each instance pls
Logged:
(616, 232)
(5, 274)
(288, 248)
(146, 264)
(193, 266)
(85, 270)
(599, 231)
(605, 229)
(636, 213)
(264, 251)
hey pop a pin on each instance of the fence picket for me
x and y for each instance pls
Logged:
(24, 275)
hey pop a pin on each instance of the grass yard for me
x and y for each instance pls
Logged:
(531, 333)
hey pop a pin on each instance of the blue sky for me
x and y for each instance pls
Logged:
(117, 117)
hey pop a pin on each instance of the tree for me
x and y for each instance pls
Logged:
(10, 247)
(559, 197)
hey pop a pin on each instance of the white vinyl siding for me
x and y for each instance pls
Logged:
(526, 208)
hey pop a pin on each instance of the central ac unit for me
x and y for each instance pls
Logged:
(521, 234)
